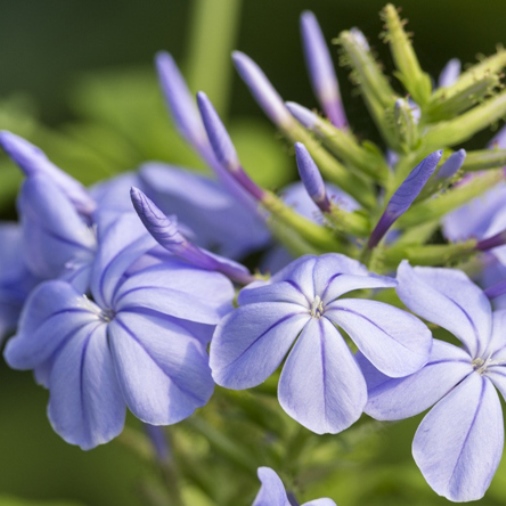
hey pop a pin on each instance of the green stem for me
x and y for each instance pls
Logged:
(213, 33)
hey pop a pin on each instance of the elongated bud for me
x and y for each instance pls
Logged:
(321, 70)
(496, 290)
(180, 101)
(223, 147)
(404, 196)
(311, 178)
(451, 166)
(166, 233)
(261, 88)
(342, 143)
(450, 73)
(32, 161)
(492, 242)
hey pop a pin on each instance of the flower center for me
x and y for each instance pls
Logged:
(106, 315)
(316, 307)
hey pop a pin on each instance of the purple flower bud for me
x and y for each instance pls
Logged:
(261, 88)
(450, 73)
(224, 148)
(180, 101)
(451, 165)
(311, 178)
(321, 70)
(32, 160)
(218, 136)
(404, 196)
(303, 115)
(494, 241)
(166, 233)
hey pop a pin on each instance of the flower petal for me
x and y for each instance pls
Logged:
(450, 299)
(177, 289)
(395, 341)
(55, 237)
(399, 398)
(250, 343)
(162, 369)
(459, 443)
(86, 406)
(272, 491)
(122, 240)
(321, 385)
(52, 314)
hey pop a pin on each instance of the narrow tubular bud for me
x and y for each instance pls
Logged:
(450, 73)
(218, 136)
(492, 242)
(303, 115)
(166, 233)
(496, 290)
(32, 161)
(321, 70)
(311, 178)
(180, 101)
(261, 88)
(451, 166)
(224, 149)
(404, 196)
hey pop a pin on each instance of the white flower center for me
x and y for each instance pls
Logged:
(316, 307)
(106, 315)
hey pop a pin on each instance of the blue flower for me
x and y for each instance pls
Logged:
(297, 314)
(139, 342)
(459, 443)
(272, 492)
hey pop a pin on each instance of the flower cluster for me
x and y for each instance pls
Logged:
(131, 294)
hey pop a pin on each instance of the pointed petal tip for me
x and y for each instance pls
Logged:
(302, 114)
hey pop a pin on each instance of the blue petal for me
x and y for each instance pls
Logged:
(33, 162)
(321, 385)
(86, 407)
(52, 314)
(396, 342)
(162, 369)
(399, 398)
(450, 73)
(272, 492)
(178, 290)
(56, 239)
(450, 299)
(459, 443)
(250, 343)
(122, 240)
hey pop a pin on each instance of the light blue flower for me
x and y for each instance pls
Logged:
(140, 342)
(297, 314)
(459, 443)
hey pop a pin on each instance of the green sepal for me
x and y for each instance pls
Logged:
(406, 126)
(432, 254)
(484, 159)
(417, 82)
(344, 145)
(331, 169)
(350, 223)
(455, 131)
(436, 208)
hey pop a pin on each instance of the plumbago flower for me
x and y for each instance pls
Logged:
(273, 493)
(138, 343)
(459, 443)
(321, 385)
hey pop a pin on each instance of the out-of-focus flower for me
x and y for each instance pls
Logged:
(273, 493)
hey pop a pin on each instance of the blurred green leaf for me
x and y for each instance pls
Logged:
(11, 501)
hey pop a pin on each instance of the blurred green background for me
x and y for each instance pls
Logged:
(77, 79)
